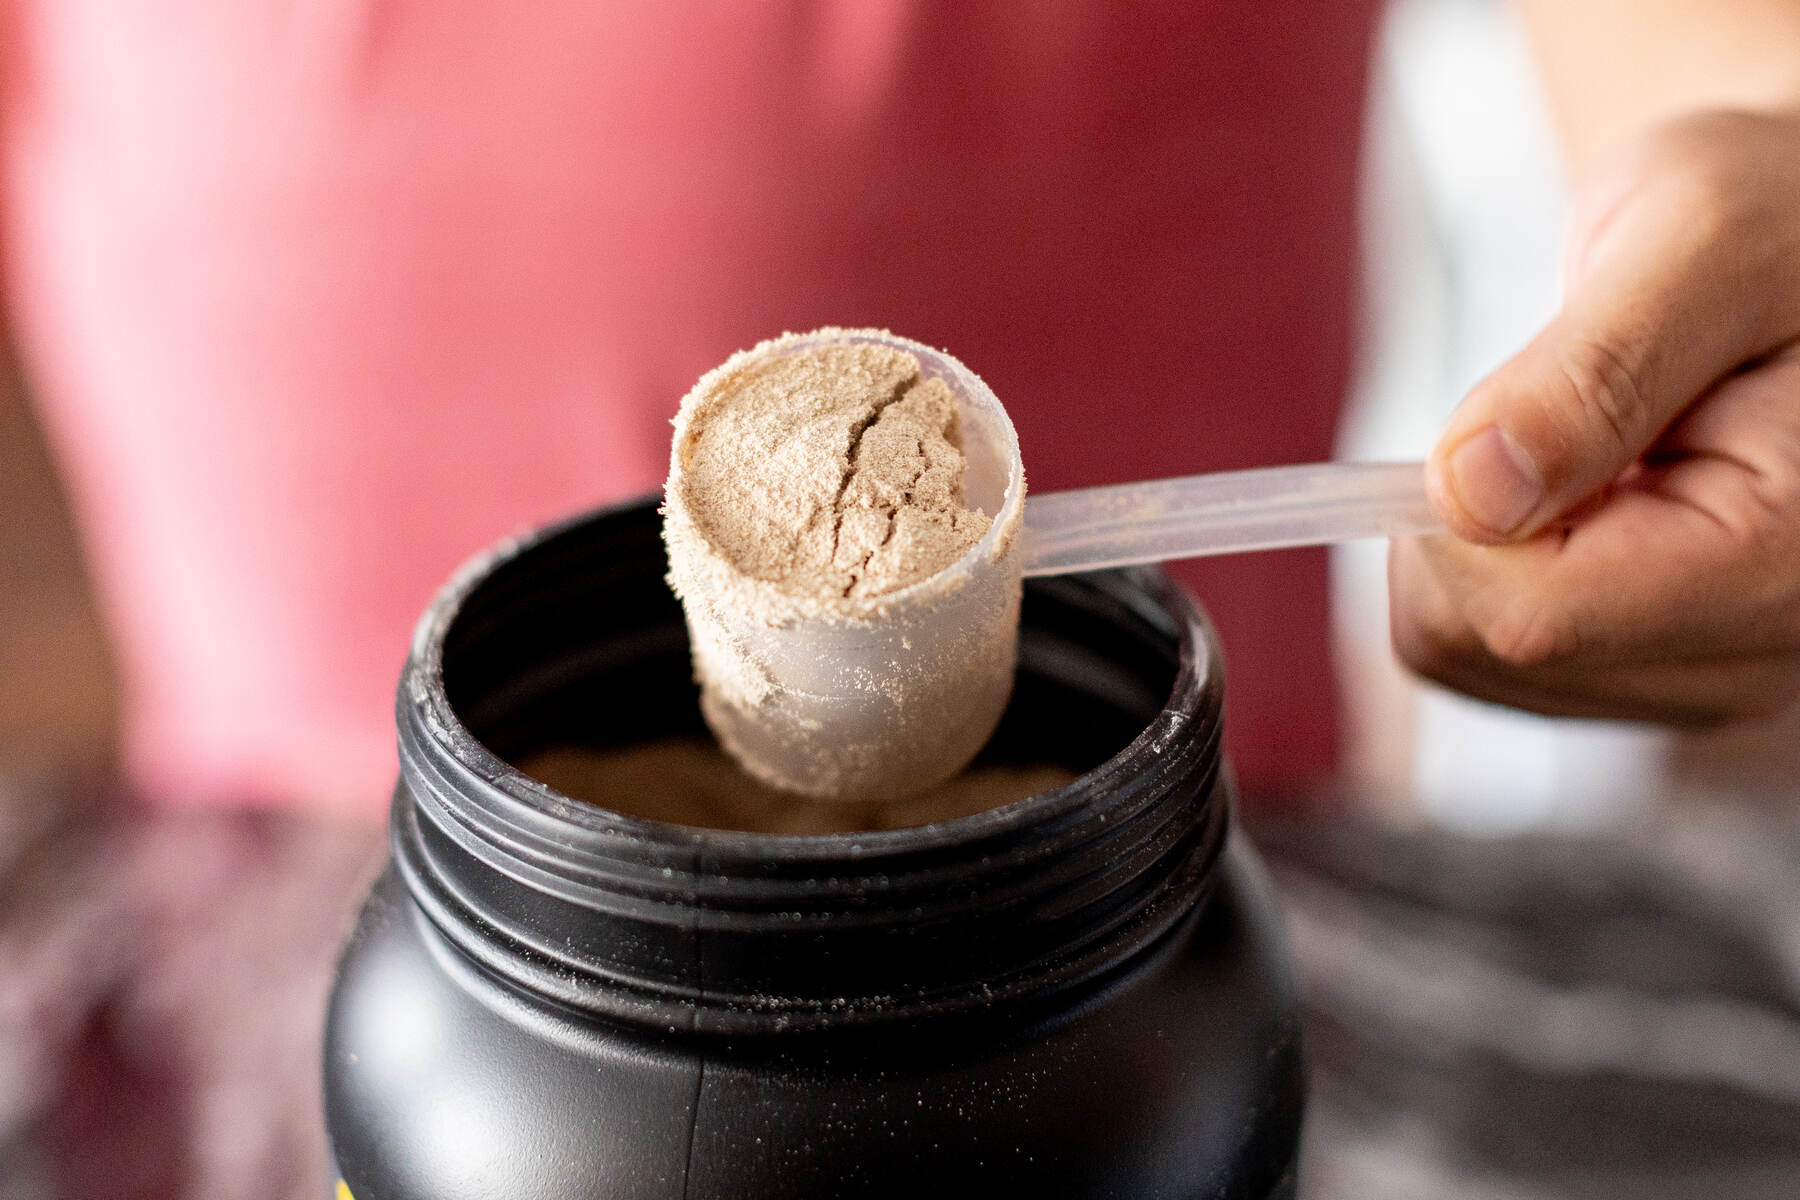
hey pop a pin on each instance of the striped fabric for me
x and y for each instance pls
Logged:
(1508, 1020)
(1552, 1016)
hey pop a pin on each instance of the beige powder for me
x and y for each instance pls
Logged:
(833, 473)
(814, 504)
(689, 781)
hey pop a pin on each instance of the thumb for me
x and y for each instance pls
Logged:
(1676, 288)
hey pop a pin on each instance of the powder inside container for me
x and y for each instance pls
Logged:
(832, 473)
(690, 781)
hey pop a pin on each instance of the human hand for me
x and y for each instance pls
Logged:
(1624, 495)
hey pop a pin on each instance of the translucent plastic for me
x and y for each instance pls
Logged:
(889, 701)
(1088, 529)
(898, 695)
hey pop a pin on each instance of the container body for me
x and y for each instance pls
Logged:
(1082, 995)
(1181, 1080)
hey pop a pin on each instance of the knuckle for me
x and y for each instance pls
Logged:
(1758, 524)
(1475, 616)
(1774, 503)
(1604, 394)
(1529, 631)
(1429, 634)
(1759, 532)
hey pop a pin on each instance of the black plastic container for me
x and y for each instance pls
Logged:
(1081, 994)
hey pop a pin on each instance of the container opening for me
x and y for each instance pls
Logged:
(577, 643)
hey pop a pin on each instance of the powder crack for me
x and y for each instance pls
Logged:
(834, 472)
(852, 463)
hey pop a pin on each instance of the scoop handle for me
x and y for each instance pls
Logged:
(1087, 529)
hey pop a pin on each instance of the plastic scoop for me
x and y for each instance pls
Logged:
(1192, 516)
(899, 693)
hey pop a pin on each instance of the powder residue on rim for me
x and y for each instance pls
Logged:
(830, 475)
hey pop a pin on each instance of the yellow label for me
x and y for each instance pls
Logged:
(343, 1192)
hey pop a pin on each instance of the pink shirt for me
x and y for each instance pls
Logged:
(318, 298)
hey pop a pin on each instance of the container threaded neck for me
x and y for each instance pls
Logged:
(725, 932)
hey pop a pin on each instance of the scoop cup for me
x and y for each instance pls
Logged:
(867, 698)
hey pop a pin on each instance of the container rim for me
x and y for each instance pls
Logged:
(424, 690)
(737, 932)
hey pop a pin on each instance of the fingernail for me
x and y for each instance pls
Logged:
(1494, 481)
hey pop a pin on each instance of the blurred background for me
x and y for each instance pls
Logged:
(1464, 207)
(1475, 1035)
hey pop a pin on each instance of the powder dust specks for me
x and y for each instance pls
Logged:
(814, 509)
